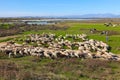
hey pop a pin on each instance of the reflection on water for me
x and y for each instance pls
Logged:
(51, 21)
(40, 22)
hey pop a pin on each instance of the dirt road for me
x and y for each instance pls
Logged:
(4, 38)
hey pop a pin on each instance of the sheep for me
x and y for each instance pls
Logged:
(47, 54)
(86, 49)
(81, 48)
(77, 53)
(9, 52)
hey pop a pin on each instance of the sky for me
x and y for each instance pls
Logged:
(13, 8)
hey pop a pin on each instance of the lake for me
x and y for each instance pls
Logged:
(52, 21)
(40, 22)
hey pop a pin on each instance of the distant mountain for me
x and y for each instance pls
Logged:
(94, 16)
(86, 16)
(75, 16)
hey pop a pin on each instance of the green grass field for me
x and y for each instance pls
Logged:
(33, 68)
(79, 28)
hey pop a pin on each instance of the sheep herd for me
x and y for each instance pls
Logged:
(53, 46)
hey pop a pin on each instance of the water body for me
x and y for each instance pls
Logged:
(45, 21)
(40, 22)
(52, 21)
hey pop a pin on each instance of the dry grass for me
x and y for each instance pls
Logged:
(59, 69)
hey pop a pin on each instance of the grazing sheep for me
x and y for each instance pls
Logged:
(85, 49)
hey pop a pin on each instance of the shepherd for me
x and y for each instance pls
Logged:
(107, 37)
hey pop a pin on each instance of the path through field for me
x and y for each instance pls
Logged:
(4, 38)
